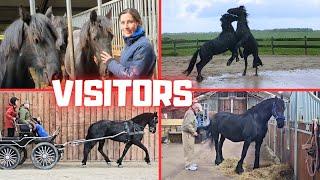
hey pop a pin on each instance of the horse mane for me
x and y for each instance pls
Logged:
(15, 33)
(138, 117)
(257, 106)
(13, 37)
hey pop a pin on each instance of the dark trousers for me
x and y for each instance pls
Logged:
(10, 132)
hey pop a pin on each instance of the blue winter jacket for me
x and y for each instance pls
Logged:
(137, 58)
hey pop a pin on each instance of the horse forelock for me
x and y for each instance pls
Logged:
(13, 38)
(84, 34)
(40, 27)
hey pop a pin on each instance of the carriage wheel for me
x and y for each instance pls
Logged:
(9, 157)
(44, 155)
(23, 155)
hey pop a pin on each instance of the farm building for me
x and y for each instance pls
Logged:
(75, 121)
(285, 143)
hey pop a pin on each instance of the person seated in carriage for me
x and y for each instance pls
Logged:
(30, 123)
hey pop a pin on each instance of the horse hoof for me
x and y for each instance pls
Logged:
(239, 170)
(217, 162)
(84, 165)
(120, 166)
(149, 163)
(199, 78)
(255, 167)
(109, 163)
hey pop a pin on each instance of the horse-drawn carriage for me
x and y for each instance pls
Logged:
(44, 155)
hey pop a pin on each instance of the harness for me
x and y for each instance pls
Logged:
(274, 113)
(135, 129)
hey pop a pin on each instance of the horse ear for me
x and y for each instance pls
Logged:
(93, 16)
(155, 113)
(109, 14)
(49, 13)
(281, 96)
(65, 15)
(24, 15)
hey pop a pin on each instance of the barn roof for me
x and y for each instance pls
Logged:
(9, 8)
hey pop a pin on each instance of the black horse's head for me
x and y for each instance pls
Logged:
(152, 122)
(228, 18)
(97, 35)
(60, 25)
(238, 11)
(42, 37)
(278, 108)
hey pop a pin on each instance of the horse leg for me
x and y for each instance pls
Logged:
(216, 146)
(222, 138)
(245, 62)
(100, 149)
(86, 150)
(126, 148)
(140, 145)
(200, 65)
(257, 154)
(239, 168)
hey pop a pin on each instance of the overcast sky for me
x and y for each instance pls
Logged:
(204, 15)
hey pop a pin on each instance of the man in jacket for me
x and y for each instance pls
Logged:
(189, 131)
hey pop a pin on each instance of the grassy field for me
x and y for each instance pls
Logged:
(167, 45)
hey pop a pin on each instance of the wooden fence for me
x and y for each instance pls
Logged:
(75, 121)
(267, 43)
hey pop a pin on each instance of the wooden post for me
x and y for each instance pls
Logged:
(70, 38)
(305, 45)
(174, 47)
(272, 45)
(197, 43)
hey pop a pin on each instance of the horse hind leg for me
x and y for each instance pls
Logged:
(215, 136)
(100, 149)
(200, 65)
(86, 150)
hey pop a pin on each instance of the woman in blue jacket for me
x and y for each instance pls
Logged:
(138, 57)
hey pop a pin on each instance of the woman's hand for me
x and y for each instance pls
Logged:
(105, 57)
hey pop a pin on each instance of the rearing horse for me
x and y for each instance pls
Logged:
(248, 127)
(245, 39)
(224, 42)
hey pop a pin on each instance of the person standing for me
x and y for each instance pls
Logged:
(11, 115)
(189, 131)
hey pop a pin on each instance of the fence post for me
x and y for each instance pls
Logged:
(305, 45)
(197, 43)
(174, 48)
(272, 45)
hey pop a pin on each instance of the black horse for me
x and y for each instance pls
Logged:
(224, 42)
(248, 127)
(29, 42)
(134, 134)
(95, 36)
(60, 25)
(245, 39)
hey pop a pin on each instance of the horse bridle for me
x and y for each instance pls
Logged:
(275, 114)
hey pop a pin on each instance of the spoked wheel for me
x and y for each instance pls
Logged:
(23, 155)
(44, 156)
(9, 157)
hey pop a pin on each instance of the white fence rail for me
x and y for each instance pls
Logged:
(304, 106)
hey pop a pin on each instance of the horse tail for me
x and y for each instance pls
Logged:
(210, 133)
(192, 63)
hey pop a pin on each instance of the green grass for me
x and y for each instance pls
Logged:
(167, 48)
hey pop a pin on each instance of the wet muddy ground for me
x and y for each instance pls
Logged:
(93, 171)
(277, 72)
(173, 161)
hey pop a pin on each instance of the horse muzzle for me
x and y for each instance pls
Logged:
(152, 130)
(280, 122)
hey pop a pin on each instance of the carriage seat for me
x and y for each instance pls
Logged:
(23, 130)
